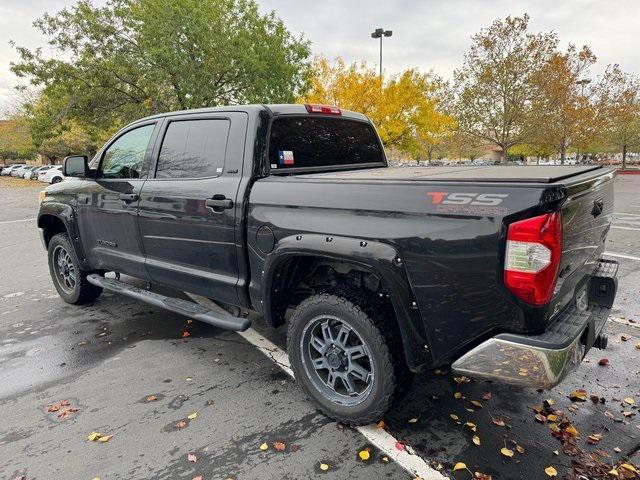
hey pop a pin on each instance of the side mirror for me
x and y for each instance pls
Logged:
(76, 166)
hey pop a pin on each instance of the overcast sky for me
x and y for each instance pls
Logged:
(427, 34)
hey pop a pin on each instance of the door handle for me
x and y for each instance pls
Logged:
(129, 197)
(219, 203)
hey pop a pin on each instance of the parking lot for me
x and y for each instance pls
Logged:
(129, 370)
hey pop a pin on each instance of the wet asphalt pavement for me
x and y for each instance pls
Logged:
(108, 358)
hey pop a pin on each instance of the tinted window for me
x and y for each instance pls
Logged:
(193, 149)
(125, 156)
(300, 142)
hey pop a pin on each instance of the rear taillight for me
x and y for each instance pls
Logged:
(326, 109)
(532, 258)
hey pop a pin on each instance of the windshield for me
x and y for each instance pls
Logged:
(316, 143)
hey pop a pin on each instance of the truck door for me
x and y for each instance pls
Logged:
(189, 206)
(108, 208)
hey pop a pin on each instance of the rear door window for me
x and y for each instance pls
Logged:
(320, 143)
(193, 149)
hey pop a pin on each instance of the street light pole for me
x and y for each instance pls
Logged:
(379, 33)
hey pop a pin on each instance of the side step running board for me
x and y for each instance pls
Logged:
(176, 305)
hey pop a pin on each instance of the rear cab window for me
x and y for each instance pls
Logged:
(318, 143)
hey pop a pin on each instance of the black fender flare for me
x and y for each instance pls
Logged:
(380, 258)
(65, 214)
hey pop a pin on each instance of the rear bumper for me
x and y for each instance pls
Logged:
(542, 361)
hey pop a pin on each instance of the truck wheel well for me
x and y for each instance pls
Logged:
(51, 226)
(298, 278)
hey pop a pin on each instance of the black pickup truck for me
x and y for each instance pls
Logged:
(291, 212)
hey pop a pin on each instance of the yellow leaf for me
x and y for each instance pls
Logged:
(364, 455)
(613, 472)
(264, 446)
(454, 416)
(458, 395)
(629, 401)
(192, 416)
(380, 424)
(413, 420)
(471, 425)
(552, 417)
(459, 466)
(638, 345)
(385, 459)
(476, 439)
(573, 431)
(628, 466)
(506, 452)
(579, 395)
(105, 438)
(476, 403)
(550, 471)
(324, 467)
(93, 436)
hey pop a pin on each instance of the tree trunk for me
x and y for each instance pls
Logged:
(503, 154)
(563, 155)
(624, 157)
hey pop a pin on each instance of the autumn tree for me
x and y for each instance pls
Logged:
(618, 96)
(561, 114)
(404, 107)
(494, 85)
(131, 58)
(15, 140)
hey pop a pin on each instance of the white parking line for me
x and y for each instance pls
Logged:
(622, 255)
(616, 214)
(17, 221)
(635, 229)
(379, 437)
(624, 322)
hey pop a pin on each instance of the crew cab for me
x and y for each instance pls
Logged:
(291, 212)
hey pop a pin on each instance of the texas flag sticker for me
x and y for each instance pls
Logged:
(285, 157)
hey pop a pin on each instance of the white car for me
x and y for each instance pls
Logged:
(9, 168)
(28, 171)
(18, 171)
(53, 175)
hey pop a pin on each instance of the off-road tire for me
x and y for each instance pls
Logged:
(82, 291)
(361, 312)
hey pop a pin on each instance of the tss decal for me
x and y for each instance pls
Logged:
(479, 199)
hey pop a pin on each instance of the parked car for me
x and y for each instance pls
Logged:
(19, 171)
(290, 211)
(28, 171)
(9, 168)
(53, 175)
(35, 172)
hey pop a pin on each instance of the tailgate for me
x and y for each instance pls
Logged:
(586, 219)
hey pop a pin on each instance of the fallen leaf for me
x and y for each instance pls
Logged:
(93, 436)
(624, 338)
(638, 345)
(380, 424)
(476, 403)
(594, 438)
(476, 439)
(556, 452)
(364, 455)
(192, 458)
(181, 424)
(573, 431)
(579, 395)
(413, 420)
(540, 418)
(264, 446)
(550, 471)
(279, 446)
(471, 425)
(506, 452)
(105, 438)
(629, 467)
(151, 398)
(481, 476)
(324, 467)
(399, 446)
(198, 477)
(461, 379)
(617, 449)
(613, 472)
(520, 449)
(603, 362)
(552, 417)
(458, 395)
(459, 466)
(185, 334)
(454, 416)
(385, 459)
(192, 416)
(498, 421)
(629, 401)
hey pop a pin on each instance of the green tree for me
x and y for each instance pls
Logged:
(15, 140)
(619, 100)
(493, 86)
(561, 114)
(132, 58)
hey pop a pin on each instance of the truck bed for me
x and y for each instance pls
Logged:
(498, 174)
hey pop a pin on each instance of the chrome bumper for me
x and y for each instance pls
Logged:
(542, 361)
(515, 363)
